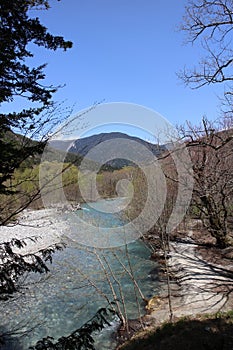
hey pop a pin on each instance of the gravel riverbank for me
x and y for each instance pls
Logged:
(45, 224)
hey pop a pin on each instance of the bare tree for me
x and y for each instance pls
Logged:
(210, 148)
(210, 23)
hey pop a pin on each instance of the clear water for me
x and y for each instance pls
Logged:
(71, 293)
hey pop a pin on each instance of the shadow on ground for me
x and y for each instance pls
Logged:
(209, 334)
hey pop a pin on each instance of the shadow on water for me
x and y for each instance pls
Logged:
(9, 341)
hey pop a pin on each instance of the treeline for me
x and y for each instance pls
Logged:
(210, 150)
(153, 188)
(25, 185)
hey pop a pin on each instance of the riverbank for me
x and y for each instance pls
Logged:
(46, 225)
(200, 286)
(203, 275)
(201, 281)
(212, 332)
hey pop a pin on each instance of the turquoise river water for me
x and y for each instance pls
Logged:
(64, 299)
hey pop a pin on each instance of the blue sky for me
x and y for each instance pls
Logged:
(125, 51)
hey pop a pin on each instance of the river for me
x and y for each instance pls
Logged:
(69, 295)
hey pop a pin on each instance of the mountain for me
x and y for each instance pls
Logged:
(61, 145)
(118, 143)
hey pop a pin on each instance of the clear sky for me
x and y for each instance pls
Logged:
(125, 51)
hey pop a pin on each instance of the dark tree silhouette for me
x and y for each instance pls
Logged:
(19, 79)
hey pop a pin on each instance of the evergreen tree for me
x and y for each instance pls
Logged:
(18, 78)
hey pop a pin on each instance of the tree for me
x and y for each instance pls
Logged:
(14, 265)
(81, 338)
(19, 79)
(210, 148)
(211, 24)
(17, 31)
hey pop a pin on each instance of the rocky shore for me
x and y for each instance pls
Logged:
(46, 225)
(201, 278)
(198, 286)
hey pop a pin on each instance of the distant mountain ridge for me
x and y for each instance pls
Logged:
(81, 147)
